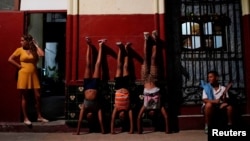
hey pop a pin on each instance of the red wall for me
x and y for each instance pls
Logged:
(125, 28)
(11, 27)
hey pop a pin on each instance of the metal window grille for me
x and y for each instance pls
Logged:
(211, 40)
(7, 4)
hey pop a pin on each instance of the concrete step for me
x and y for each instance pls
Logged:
(50, 127)
(186, 122)
(53, 126)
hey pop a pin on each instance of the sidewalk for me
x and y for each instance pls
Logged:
(185, 135)
(59, 131)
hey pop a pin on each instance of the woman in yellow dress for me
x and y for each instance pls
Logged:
(28, 55)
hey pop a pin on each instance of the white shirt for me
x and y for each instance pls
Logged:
(217, 93)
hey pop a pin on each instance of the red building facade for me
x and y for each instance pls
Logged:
(115, 21)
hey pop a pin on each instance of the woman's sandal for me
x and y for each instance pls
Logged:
(42, 120)
(27, 122)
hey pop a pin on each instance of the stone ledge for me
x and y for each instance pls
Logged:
(186, 122)
(196, 122)
(53, 126)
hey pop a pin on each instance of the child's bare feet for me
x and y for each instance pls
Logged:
(146, 35)
(118, 43)
(121, 46)
(102, 40)
(155, 35)
(88, 40)
(128, 44)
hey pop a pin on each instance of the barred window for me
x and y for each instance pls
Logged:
(7, 4)
(211, 40)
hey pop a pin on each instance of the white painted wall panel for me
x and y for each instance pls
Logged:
(116, 7)
(43, 5)
(245, 7)
(99, 7)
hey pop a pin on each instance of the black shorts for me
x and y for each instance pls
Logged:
(91, 83)
(122, 82)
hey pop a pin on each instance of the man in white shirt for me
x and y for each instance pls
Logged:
(215, 96)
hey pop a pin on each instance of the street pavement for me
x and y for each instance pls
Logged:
(183, 135)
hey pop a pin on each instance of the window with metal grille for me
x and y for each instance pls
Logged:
(211, 40)
(8, 4)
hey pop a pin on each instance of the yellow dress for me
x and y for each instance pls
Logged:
(27, 75)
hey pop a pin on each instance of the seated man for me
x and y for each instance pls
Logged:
(122, 98)
(152, 96)
(215, 97)
(90, 105)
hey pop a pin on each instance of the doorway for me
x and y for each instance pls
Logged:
(49, 30)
